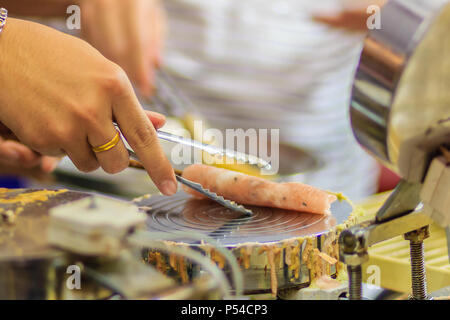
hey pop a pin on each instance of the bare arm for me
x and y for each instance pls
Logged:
(46, 8)
(352, 18)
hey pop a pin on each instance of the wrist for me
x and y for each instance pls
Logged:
(4, 39)
(8, 50)
(3, 18)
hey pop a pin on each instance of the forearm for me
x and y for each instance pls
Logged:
(352, 18)
(47, 8)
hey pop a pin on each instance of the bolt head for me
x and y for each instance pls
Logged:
(348, 241)
(418, 235)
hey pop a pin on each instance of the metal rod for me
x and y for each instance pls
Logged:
(419, 278)
(418, 272)
(354, 282)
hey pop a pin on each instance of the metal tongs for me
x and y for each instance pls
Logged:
(215, 151)
(135, 163)
(168, 98)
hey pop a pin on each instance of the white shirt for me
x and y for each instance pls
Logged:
(267, 64)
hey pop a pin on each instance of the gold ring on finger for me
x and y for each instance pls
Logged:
(109, 145)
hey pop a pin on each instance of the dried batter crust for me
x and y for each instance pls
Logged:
(21, 200)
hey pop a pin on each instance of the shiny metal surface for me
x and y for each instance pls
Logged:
(26, 237)
(400, 108)
(403, 200)
(400, 112)
(214, 196)
(355, 242)
(221, 153)
(239, 157)
(360, 237)
(32, 278)
(266, 225)
(31, 269)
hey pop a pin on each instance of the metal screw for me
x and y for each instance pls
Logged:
(418, 272)
(355, 282)
(419, 279)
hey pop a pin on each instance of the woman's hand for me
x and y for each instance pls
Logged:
(129, 33)
(59, 96)
(14, 154)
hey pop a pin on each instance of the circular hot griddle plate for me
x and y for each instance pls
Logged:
(181, 212)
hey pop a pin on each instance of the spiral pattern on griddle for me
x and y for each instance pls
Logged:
(267, 225)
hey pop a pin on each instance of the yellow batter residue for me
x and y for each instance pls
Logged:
(340, 197)
(273, 258)
(214, 255)
(22, 199)
(245, 254)
(292, 257)
(155, 257)
(30, 197)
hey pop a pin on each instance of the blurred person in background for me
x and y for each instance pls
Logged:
(278, 64)
(248, 64)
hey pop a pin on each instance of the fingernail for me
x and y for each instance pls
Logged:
(168, 187)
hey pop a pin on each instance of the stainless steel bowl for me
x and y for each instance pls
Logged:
(400, 108)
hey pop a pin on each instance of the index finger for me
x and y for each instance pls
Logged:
(141, 135)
